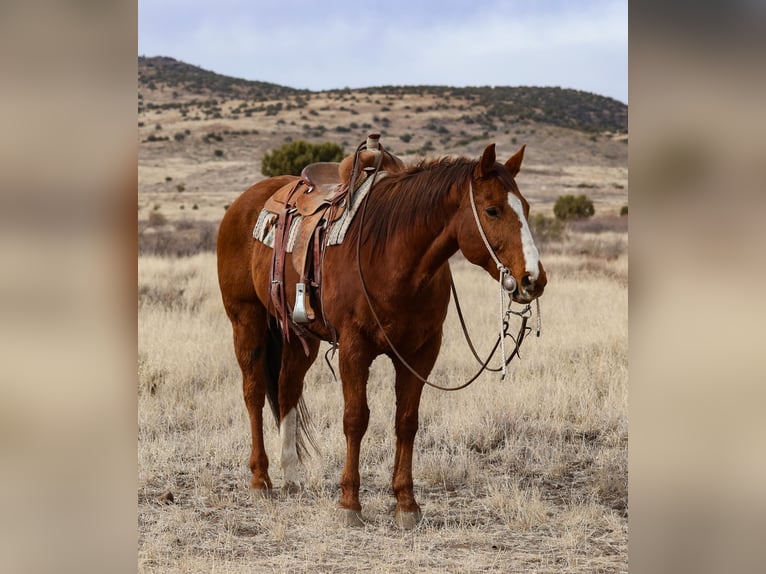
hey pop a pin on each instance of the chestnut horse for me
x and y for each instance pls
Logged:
(402, 239)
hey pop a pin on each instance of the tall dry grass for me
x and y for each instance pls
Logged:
(528, 474)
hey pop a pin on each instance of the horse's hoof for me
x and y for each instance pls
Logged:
(407, 520)
(292, 488)
(350, 518)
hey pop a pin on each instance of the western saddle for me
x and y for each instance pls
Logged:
(319, 197)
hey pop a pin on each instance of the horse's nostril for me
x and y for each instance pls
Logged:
(526, 281)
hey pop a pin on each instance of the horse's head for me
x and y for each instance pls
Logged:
(495, 207)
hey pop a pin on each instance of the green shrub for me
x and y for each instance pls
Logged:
(624, 210)
(291, 158)
(573, 207)
(545, 229)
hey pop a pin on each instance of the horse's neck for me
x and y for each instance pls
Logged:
(430, 246)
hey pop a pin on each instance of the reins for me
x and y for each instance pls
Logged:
(506, 281)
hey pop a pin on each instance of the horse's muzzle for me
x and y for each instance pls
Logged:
(530, 289)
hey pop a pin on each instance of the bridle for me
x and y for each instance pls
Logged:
(507, 286)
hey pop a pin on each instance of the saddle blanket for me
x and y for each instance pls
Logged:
(267, 221)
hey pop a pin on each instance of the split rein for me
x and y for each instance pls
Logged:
(507, 286)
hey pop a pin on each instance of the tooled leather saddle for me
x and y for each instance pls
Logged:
(305, 211)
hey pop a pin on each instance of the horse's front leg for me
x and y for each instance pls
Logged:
(354, 365)
(408, 391)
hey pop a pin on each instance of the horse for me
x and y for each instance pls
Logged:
(386, 289)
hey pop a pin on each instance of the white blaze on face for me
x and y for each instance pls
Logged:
(289, 459)
(531, 256)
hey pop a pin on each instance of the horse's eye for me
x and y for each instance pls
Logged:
(492, 212)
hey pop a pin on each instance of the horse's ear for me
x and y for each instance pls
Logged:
(514, 162)
(487, 161)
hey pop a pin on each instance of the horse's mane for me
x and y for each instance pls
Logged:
(412, 197)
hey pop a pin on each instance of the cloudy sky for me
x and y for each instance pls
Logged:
(325, 44)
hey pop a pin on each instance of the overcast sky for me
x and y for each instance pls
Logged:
(325, 44)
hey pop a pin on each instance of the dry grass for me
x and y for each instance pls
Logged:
(523, 475)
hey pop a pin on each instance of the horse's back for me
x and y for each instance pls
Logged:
(245, 209)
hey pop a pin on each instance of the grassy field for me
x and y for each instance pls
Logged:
(523, 475)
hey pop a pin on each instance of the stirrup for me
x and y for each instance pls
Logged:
(302, 311)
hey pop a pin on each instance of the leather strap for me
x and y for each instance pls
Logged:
(278, 256)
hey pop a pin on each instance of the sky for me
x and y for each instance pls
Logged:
(326, 44)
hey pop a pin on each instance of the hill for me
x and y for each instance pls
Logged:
(490, 105)
(186, 80)
(202, 135)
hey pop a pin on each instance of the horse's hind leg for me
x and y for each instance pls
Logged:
(251, 346)
(295, 364)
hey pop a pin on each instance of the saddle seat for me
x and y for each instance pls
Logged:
(319, 187)
(324, 188)
(322, 174)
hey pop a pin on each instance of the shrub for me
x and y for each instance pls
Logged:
(157, 218)
(573, 207)
(624, 210)
(186, 238)
(218, 153)
(599, 224)
(291, 158)
(545, 229)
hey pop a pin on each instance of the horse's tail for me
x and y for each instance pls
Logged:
(305, 441)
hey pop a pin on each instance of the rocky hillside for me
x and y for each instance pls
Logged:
(192, 88)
